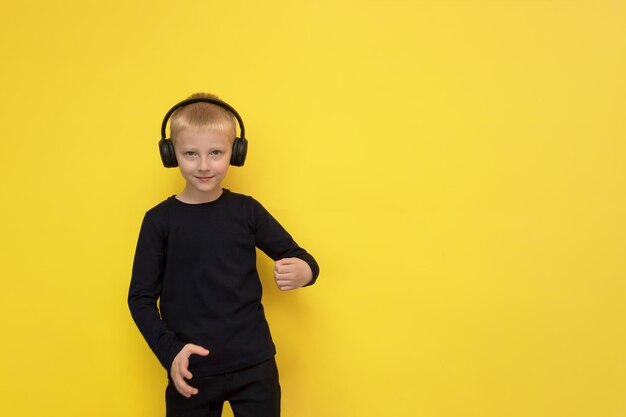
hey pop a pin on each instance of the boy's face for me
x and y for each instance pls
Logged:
(203, 158)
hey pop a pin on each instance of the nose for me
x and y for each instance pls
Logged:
(204, 164)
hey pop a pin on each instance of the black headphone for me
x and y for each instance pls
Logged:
(240, 145)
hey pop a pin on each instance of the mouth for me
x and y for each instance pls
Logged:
(203, 178)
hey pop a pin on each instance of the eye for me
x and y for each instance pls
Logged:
(216, 153)
(189, 153)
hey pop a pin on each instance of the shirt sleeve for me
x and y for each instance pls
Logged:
(145, 290)
(275, 241)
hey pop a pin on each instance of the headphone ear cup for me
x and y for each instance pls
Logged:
(240, 149)
(168, 156)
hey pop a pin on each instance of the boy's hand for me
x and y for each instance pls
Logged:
(180, 371)
(292, 273)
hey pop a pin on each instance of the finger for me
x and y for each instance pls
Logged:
(185, 389)
(180, 369)
(179, 373)
(285, 285)
(283, 269)
(284, 277)
(287, 261)
(196, 350)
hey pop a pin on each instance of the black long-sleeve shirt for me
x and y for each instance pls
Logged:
(199, 262)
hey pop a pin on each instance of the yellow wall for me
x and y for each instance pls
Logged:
(457, 167)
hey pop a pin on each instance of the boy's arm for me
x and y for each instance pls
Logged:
(293, 263)
(145, 290)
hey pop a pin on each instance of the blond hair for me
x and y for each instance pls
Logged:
(198, 116)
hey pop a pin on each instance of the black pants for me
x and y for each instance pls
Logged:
(251, 392)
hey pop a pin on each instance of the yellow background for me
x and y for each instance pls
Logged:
(457, 168)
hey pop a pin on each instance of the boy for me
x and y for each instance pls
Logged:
(196, 257)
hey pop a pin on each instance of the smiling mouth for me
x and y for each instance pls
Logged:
(204, 178)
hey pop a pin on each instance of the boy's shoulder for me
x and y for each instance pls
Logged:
(161, 207)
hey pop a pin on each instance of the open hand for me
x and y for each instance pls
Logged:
(180, 368)
(292, 273)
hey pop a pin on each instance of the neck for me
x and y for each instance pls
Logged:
(193, 197)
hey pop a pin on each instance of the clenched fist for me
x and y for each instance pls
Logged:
(292, 273)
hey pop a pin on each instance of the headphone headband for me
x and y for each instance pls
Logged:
(203, 100)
